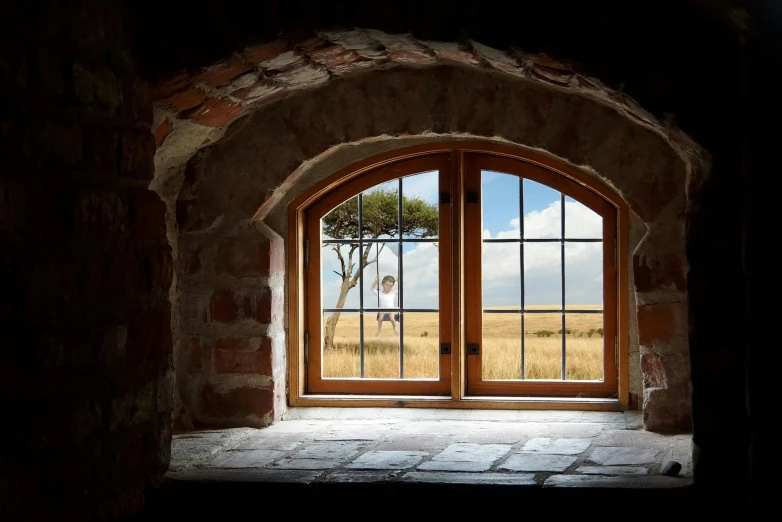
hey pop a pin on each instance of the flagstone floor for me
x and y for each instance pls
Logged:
(549, 449)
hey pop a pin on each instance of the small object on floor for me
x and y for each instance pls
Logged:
(672, 469)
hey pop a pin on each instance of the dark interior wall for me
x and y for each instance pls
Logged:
(85, 269)
(84, 262)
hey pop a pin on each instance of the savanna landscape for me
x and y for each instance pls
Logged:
(501, 346)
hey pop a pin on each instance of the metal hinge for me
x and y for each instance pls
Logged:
(445, 348)
(306, 254)
(473, 349)
(306, 348)
(616, 351)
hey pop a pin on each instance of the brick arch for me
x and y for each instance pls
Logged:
(238, 141)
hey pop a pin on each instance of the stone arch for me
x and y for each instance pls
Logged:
(237, 142)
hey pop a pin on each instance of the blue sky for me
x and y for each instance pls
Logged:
(501, 262)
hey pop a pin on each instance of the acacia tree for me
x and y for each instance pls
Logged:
(379, 217)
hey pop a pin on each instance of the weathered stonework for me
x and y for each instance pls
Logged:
(258, 125)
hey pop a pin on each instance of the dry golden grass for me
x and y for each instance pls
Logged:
(501, 347)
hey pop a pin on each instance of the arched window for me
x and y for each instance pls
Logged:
(458, 275)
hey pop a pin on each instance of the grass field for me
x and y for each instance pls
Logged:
(501, 347)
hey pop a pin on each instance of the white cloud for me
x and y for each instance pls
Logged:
(501, 281)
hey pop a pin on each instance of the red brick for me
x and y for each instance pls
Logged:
(414, 57)
(223, 306)
(456, 56)
(186, 99)
(653, 371)
(195, 357)
(169, 86)
(232, 343)
(339, 60)
(264, 307)
(216, 112)
(652, 274)
(234, 361)
(656, 323)
(238, 402)
(265, 52)
(224, 72)
(162, 131)
(558, 76)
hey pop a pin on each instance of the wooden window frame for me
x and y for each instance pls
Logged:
(455, 393)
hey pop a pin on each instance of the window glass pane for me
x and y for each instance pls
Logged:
(341, 342)
(500, 196)
(380, 211)
(542, 211)
(543, 346)
(500, 275)
(584, 347)
(420, 205)
(342, 222)
(381, 276)
(543, 275)
(501, 346)
(337, 275)
(421, 345)
(421, 275)
(381, 345)
(581, 222)
(584, 274)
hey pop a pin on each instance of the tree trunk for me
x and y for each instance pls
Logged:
(331, 323)
(349, 280)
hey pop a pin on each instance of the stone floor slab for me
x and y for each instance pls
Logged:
(281, 442)
(467, 452)
(246, 459)
(361, 477)
(432, 427)
(516, 479)
(449, 465)
(622, 456)
(355, 432)
(247, 475)
(333, 450)
(612, 470)
(431, 444)
(299, 426)
(555, 430)
(597, 481)
(537, 462)
(556, 446)
(387, 460)
(493, 433)
(305, 464)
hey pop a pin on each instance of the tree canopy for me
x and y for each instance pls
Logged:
(380, 217)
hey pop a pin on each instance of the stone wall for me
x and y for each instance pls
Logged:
(275, 109)
(87, 376)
